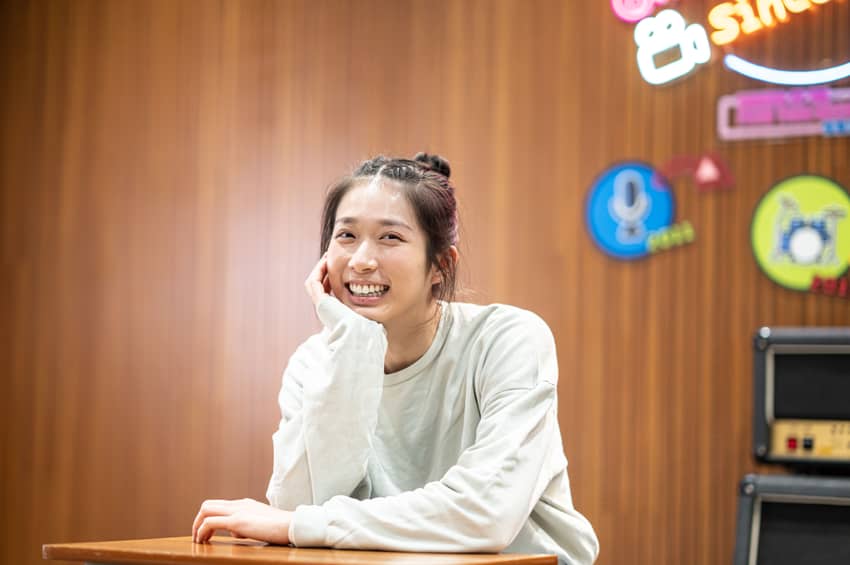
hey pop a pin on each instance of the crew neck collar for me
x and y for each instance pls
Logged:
(417, 366)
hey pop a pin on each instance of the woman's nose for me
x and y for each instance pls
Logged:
(363, 258)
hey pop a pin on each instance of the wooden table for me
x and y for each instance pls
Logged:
(231, 551)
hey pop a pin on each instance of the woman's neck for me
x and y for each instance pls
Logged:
(406, 344)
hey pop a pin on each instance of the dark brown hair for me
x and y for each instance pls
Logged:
(425, 183)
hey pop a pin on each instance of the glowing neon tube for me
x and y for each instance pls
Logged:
(788, 78)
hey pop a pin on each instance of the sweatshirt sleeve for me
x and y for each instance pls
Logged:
(329, 404)
(481, 502)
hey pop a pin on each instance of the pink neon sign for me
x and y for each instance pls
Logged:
(772, 114)
(634, 10)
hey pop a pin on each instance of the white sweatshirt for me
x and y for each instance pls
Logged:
(459, 452)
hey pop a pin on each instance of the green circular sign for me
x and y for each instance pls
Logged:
(801, 229)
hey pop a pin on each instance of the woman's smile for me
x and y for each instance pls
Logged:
(362, 294)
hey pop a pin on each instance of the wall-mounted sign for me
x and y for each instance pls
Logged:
(839, 287)
(730, 19)
(801, 231)
(666, 33)
(709, 171)
(774, 114)
(786, 78)
(628, 217)
(634, 10)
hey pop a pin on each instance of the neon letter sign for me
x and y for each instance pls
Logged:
(634, 10)
(771, 114)
(723, 16)
(662, 33)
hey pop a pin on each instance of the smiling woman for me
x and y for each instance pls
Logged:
(412, 422)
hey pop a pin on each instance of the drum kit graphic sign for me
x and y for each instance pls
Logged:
(801, 235)
(800, 231)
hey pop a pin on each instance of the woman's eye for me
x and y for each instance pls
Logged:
(344, 235)
(393, 236)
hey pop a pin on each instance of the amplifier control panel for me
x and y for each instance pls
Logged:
(811, 440)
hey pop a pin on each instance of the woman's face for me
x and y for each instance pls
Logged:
(376, 257)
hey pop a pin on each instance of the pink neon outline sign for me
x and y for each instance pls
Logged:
(774, 114)
(634, 10)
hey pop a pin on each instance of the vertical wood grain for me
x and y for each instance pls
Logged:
(162, 167)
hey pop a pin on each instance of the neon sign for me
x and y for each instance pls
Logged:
(625, 209)
(786, 78)
(723, 16)
(634, 10)
(664, 33)
(831, 287)
(709, 171)
(772, 114)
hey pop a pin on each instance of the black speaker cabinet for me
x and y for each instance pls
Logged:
(802, 397)
(793, 520)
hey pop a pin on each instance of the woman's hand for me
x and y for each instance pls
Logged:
(317, 284)
(245, 518)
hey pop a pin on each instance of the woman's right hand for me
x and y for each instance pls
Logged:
(317, 284)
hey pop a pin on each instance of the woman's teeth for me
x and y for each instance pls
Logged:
(368, 289)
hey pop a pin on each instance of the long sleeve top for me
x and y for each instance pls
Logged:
(458, 452)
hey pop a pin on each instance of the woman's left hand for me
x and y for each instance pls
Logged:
(245, 518)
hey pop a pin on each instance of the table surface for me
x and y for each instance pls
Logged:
(231, 551)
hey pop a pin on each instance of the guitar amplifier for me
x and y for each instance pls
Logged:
(801, 415)
(793, 520)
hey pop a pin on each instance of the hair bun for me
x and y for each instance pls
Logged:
(435, 163)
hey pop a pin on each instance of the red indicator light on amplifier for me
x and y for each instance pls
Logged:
(791, 442)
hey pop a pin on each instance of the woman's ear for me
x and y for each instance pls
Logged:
(450, 257)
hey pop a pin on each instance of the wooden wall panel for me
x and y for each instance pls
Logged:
(162, 169)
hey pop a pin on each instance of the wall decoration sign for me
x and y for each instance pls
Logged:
(634, 10)
(709, 171)
(630, 217)
(667, 33)
(801, 233)
(775, 114)
(786, 78)
(730, 19)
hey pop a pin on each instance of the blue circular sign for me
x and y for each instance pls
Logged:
(626, 204)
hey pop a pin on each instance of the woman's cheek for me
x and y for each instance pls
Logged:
(336, 266)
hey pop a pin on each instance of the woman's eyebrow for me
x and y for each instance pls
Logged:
(348, 220)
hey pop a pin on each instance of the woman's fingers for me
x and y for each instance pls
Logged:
(242, 518)
(317, 283)
(209, 525)
(211, 508)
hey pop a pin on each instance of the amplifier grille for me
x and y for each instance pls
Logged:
(794, 534)
(811, 386)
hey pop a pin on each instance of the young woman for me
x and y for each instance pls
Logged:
(412, 422)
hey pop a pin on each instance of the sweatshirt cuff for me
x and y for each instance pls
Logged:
(331, 311)
(308, 527)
